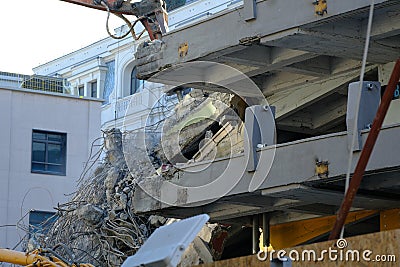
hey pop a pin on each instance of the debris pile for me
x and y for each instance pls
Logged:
(99, 224)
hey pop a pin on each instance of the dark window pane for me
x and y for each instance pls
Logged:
(135, 82)
(55, 137)
(55, 168)
(38, 152)
(81, 91)
(38, 167)
(49, 153)
(94, 89)
(38, 135)
(54, 153)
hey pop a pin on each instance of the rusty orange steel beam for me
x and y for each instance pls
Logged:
(366, 152)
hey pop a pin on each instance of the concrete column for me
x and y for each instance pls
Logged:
(256, 233)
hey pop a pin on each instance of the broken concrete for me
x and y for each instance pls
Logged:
(90, 214)
(194, 116)
(99, 224)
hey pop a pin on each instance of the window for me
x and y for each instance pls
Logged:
(109, 83)
(135, 82)
(93, 89)
(81, 90)
(48, 152)
(41, 221)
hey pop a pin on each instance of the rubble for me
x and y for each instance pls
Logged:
(192, 121)
(99, 224)
(90, 214)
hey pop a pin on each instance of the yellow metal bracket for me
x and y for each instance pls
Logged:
(322, 168)
(321, 7)
(183, 49)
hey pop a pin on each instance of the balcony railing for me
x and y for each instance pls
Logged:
(135, 102)
(35, 82)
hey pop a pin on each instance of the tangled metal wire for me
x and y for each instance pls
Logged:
(98, 225)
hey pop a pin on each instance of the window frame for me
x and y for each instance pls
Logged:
(46, 163)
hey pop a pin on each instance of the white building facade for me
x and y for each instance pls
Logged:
(45, 143)
(106, 69)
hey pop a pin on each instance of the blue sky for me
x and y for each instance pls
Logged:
(37, 31)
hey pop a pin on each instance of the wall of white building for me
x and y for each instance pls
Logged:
(21, 111)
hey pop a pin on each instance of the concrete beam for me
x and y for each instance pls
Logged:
(275, 18)
(288, 103)
(329, 197)
(255, 55)
(299, 122)
(308, 91)
(258, 59)
(294, 163)
(317, 118)
(228, 211)
(281, 81)
(386, 24)
(327, 113)
(281, 57)
(278, 58)
(222, 75)
(332, 44)
(318, 66)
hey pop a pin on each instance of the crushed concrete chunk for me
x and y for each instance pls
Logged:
(90, 214)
